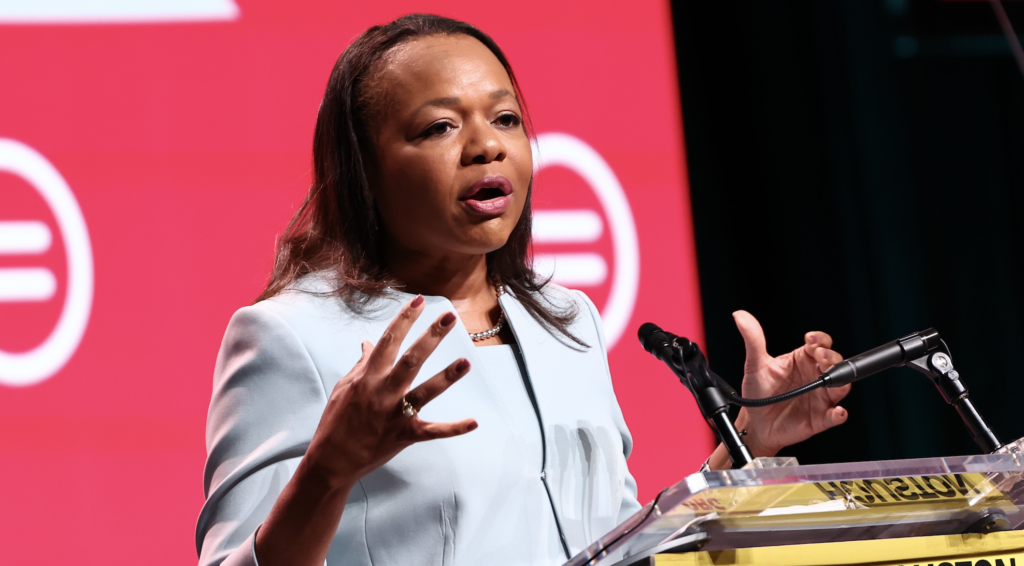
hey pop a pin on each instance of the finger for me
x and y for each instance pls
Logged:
(835, 395)
(817, 338)
(835, 416)
(384, 353)
(409, 364)
(826, 358)
(364, 357)
(342, 385)
(431, 388)
(753, 339)
(433, 431)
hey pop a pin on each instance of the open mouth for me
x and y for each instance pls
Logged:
(489, 196)
(487, 193)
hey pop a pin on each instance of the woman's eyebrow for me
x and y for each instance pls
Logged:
(445, 102)
(449, 101)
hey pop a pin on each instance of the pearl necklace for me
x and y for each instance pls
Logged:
(478, 336)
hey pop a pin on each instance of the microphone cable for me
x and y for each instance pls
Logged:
(683, 357)
(735, 399)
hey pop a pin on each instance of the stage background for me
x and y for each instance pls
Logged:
(183, 132)
(856, 167)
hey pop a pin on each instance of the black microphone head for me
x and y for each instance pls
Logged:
(652, 337)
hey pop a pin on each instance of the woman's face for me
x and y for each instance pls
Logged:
(453, 159)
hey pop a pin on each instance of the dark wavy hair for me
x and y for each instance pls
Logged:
(336, 228)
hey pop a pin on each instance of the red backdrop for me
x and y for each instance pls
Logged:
(182, 130)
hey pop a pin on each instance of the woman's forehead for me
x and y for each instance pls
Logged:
(442, 65)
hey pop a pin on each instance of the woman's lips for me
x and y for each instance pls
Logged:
(490, 205)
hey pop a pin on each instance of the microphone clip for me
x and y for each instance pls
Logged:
(712, 394)
(937, 364)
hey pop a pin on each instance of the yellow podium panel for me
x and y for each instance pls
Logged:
(892, 512)
(923, 512)
(995, 549)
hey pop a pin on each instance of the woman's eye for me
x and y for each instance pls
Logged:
(509, 120)
(438, 129)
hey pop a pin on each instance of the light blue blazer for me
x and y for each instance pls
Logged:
(475, 499)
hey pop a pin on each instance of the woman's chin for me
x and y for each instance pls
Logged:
(479, 244)
(487, 236)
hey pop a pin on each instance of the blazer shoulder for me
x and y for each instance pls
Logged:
(588, 318)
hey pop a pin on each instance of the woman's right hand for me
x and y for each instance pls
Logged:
(363, 425)
(362, 428)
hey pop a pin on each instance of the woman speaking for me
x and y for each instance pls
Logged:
(407, 390)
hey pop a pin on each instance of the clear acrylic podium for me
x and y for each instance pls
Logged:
(799, 505)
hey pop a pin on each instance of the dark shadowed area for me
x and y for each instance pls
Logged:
(857, 167)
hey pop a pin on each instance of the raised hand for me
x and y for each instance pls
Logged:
(774, 427)
(771, 428)
(364, 425)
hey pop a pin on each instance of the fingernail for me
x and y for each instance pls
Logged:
(813, 338)
(472, 425)
(447, 320)
(417, 301)
(462, 366)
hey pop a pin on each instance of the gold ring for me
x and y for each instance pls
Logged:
(407, 408)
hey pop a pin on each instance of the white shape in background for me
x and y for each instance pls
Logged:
(46, 359)
(24, 237)
(576, 155)
(26, 284)
(582, 226)
(115, 11)
(573, 270)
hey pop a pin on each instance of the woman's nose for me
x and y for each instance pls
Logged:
(483, 146)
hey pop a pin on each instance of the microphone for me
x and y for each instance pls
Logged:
(893, 354)
(664, 345)
(660, 343)
(711, 392)
(656, 341)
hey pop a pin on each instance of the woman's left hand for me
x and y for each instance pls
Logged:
(774, 427)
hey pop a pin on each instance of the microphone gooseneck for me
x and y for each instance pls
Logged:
(676, 351)
(924, 352)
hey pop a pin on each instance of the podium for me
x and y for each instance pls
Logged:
(955, 510)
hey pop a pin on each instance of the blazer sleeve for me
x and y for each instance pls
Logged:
(630, 503)
(267, 401)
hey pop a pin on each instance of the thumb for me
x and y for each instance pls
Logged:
(365, 356)
(753, 339)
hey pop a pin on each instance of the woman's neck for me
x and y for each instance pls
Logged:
(463, 280)
(457, 279)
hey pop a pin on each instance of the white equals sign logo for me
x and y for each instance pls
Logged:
(24, 239)
(25, 284)
(585, 227)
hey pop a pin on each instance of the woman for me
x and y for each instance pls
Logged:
(356, 419)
